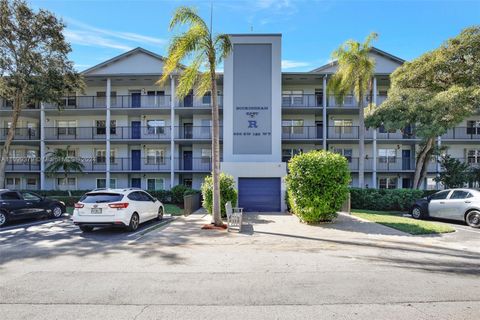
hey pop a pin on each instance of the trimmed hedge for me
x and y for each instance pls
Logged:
(69, 201)
(386, 199)
(317, 185)
(227, 193)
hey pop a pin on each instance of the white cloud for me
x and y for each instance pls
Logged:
(276, 4)
(289, 64)
(84, 34)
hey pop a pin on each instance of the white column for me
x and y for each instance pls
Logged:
(374, 144)
(324, 112)
(437, 159)
(172, 131)
(42, 146)
(107, 134)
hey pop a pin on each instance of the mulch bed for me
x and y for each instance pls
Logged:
(214, 227)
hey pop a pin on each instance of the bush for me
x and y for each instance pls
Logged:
(227, 193)
(164, 196)
(69, 201)
(317, 185)
(386, 199)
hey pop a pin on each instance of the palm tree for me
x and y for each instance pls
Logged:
(206, 50)
(61, 161)
(354, 74)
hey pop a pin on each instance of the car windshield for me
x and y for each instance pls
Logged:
(101, 197)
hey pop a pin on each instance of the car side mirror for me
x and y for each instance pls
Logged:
(155, 199)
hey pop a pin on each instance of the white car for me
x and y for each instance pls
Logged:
(116, 207)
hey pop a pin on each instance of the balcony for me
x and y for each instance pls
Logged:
(21, 134)
(149, 164)
(302, 100)
(116, 102)
(194, 101)
(302, 132)
(116, 133)
(462, 133)
(349, 101)
(472, 163)
(8, 105)
(22, 164)
(384, 164)
(193, 164)
(195, 132)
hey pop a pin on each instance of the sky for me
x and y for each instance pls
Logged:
(101, 29)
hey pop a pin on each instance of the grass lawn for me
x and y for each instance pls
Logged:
(396, 221)
(173, 209)
(69, 210)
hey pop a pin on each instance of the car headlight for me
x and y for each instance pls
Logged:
(63, 203)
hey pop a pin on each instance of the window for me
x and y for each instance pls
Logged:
(382, 129)
(98, 197)
(460, 194)
(440, 195)
(473, 156)
(207, 98)
(69, 101)
(101, 156)
(206, 127)
(13, 182)
(292, 97)
(287, 154)
(102, 129)
(347, 153)
(155, 184)
(66, 127)
(101, 183)
(388, 183)
(292, 126)
(206, 155)
(155, 156)
(343, 126)
(473, 127)
(67, 183)
(31, 183)
(387, 155)
(156, 126)
(11, 196)
(30, 196)
(135, 196)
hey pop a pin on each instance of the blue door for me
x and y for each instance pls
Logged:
(187, 160)
(136, 130)
(136, 99)
(406, 161)
(136, 183)
(259, 194)
(136, 160)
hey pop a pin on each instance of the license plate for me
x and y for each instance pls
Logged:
(96, 210)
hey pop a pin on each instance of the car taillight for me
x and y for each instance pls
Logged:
(79, 205)
(122, 205)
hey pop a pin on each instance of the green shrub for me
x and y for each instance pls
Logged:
(179, 191)
(69, 201)
(227, 192)
(386, 199)
(165, 196)
(317, 185)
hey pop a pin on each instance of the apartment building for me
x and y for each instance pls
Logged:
(130, 132)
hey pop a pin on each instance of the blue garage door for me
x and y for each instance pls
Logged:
(259, 194)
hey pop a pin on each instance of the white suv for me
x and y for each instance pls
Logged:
(116, 207)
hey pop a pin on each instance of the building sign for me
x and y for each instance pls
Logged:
(252, 99)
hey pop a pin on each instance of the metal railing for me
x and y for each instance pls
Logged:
(98, 164)
(203, 164)
(302, 132)
(99, 133)
(463, 133)
(22, 164)
(194, 101)
(116, 102)
(302, 100)
(21, 134)
(195, 132)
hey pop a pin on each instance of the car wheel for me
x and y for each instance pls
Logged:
(3, 218)
(417, 213)
(473, 218)
(56, 212)
(134, 222)
(86, 228)
(160, 214)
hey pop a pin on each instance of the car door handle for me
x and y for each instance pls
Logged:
(28, 203)
(468, 201)
(441, 202)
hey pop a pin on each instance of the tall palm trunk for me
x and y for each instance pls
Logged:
(361, 141)
(422, 162)
(216, 214)
(17, 106)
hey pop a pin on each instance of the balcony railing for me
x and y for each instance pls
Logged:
(21, 134)
(151, 164)
(193, 164)
(302, 132)
(194, 101)
(195, 132)
(8, 105)
(22, 164)
(463, 133)
(99, 133)
(302, 100)
(116, 102)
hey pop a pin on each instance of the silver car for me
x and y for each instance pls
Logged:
(454, 204)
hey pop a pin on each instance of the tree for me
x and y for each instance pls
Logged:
(60, 161)
(354, 74)
(206, 49)
(434, 92)
(454, 172)
(34, 65)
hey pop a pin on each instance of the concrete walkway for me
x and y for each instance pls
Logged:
(277, 268)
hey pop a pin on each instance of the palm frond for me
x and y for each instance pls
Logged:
(187, 15)
(223, 46)
(190, 76)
